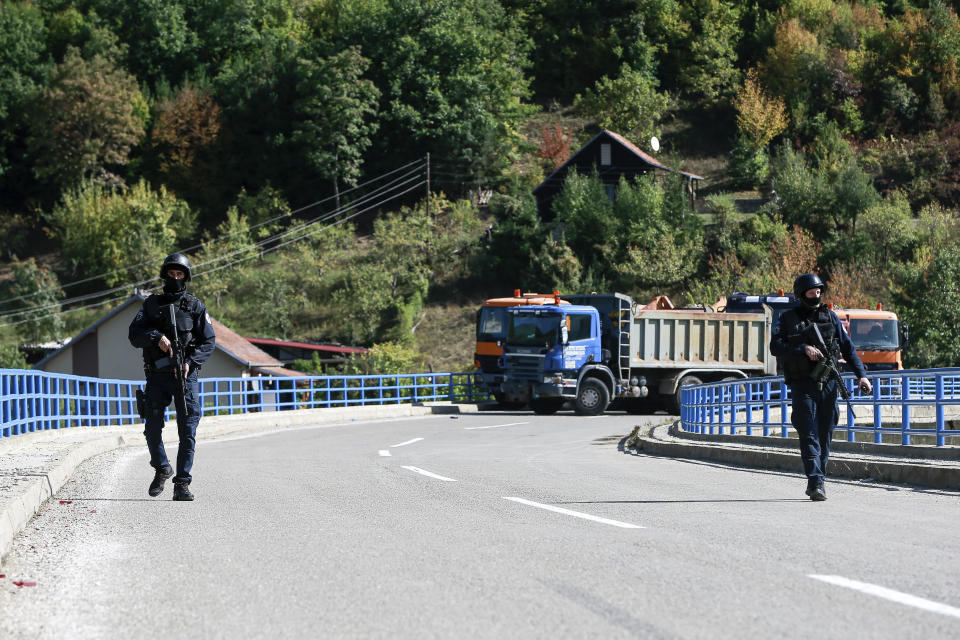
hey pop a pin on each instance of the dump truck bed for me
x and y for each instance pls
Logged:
(701, 339)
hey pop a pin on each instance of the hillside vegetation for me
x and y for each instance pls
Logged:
(360, 171)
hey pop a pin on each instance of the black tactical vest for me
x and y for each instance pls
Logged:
(156, 316)
(796, 326)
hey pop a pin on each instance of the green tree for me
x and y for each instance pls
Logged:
(385, 358)
(824, 191)
(11, 358)
(119, 234)
(185, 146)
(888, 230)
(586, 219)
(931, 307)
(662, 241)
(37, 293)
(451, 82)
(85, 122)
(22, 70)
(516, 235)
(711, 74)
(162, 46)
(335, 116)
(577, 42)
(629, 104)
(760, 118)
(554, 266)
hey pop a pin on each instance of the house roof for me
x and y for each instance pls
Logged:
(634, 149)
(240, 349)
(329, 348)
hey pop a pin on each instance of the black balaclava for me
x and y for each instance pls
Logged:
(173, 285)
(811, 304)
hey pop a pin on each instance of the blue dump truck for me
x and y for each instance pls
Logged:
(603, 349)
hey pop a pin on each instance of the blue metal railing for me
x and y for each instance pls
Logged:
(907, 403)
(38, 401)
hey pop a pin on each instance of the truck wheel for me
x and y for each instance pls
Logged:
(546, 406)
(685, 381)
(592, 397)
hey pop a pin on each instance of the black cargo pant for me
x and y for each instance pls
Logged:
(158, 394)
(815, 414)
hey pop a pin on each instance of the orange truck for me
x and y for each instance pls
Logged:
(878, 336)
(492, 331)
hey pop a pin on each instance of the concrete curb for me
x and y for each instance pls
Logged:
(17, 511)
(857, 462)
(83, 443)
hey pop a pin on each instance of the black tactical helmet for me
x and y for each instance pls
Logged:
(806, 282)
(177, 260)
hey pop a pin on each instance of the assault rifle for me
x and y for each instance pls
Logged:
(827, 367)
(180, 391)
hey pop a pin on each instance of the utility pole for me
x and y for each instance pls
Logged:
(428, 183)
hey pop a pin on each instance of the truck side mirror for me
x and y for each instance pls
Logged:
(904, 336)
(564, 333)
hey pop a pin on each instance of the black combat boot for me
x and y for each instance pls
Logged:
(819, 494)
(181, 491)
(159, 479)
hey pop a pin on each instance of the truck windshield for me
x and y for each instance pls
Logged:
(492, 324)
(869, 334)
(534, 331)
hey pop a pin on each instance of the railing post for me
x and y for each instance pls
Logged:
(851, 416)
(766, 408)
(783, 409)
(905, 411)
(940, 426)
(877, 414)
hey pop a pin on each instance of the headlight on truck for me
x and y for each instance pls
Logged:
(556, 378)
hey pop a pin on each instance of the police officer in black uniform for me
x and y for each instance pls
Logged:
(150, 331)
(815, 411)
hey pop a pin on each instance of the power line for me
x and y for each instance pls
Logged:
(197, 246)
(297, 232)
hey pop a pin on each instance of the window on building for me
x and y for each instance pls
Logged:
(605, 154)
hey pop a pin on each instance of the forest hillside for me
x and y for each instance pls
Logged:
(361, 171)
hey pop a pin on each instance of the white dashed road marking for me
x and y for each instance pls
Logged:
(575, 514)
(495, 426)
(890, 594)
(423, 472)
(403, 444)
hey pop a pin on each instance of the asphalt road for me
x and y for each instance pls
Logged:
(478, 526)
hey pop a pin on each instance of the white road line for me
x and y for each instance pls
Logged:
(890, 594)
(384, 453)
(575, 514)
(495, 426)
(429, 474)
(403, 444)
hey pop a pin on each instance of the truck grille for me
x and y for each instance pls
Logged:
(522, 366)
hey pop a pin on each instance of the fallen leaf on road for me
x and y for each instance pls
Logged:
(25, 583)
(66, 502)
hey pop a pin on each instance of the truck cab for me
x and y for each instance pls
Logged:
(549, 349)
(877, 335)
(492, 332)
